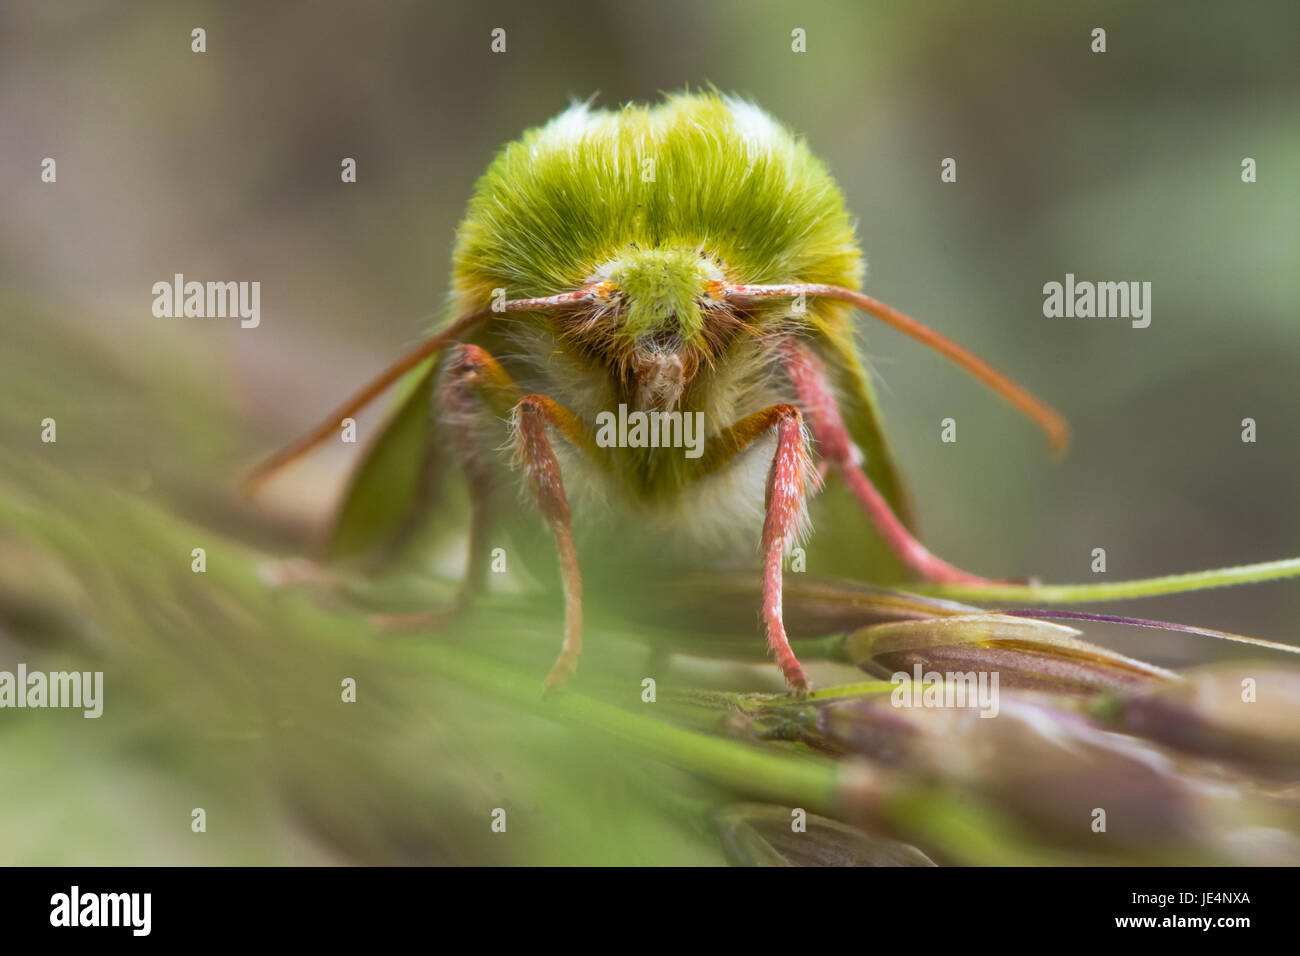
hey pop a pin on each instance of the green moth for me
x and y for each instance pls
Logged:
(650, 318)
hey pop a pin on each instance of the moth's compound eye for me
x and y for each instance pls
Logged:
(604, 291)
(713, 292)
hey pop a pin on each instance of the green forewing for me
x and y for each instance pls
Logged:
(385, 488)
(861, 417)
(843, 543)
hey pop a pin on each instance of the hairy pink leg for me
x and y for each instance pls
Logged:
(785, 511)
(789, 480)
(836, 446)
(542, 470)
(474, 380)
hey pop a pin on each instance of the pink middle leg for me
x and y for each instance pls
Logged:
(542, 470)
(785, 503)
(475, 380)
(790, 479)
(836, 447)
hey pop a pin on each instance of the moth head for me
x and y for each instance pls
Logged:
(655, 319)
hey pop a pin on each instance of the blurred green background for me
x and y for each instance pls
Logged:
(1119, 166)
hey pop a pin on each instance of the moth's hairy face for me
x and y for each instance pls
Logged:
(657, 207)
(657, 319)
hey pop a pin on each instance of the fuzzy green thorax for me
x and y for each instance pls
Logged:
(643, 190)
